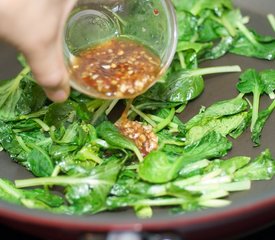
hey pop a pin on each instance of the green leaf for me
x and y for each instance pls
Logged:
(251, 82)
(180, 87)
(260, 123)
(184, 85)
(217, 110)
(88, 152)
(159, 167)
(39, 162)
(248, 43)
(218, 50)
(11, 93)
(69, 111)
(229, 166)
(9, 193)
(261, 168)
(93, 200)
(111, 135)
(162, 166)
(44, 196)
(187, 26)
(9, 142)
(212, 145)
(210, 30)
(268, 79)
(263, 50)
(34, 198)
(242, 127)
(223, 126)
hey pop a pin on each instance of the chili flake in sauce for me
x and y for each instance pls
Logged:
(119, 68)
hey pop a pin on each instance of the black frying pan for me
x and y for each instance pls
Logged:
(249, 210)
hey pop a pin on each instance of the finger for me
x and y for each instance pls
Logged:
(49, 71)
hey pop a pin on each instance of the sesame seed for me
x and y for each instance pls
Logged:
(95, 76)
(106, 66)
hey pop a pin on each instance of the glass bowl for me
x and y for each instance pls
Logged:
(151, 23)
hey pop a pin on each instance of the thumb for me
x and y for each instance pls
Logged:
(49, 71)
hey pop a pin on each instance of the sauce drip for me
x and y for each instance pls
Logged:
(118, 68)
(142, 135)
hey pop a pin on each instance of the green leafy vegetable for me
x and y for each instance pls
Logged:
(268, 78)
(111, 134)
(158, 167)
(19, 96)
(35, 198)
(261, 168)
(196, 7)
(218, 110)
(248, 43)
(251, 82)
(184, 85)
(40, 163)
(260, 123)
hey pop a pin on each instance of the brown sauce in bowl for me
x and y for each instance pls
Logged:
(118, 68)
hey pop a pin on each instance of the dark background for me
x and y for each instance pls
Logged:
(267, 233)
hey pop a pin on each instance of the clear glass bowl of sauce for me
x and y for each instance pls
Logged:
(118, 49)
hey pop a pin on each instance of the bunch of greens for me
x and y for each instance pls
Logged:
(213, 28)
(76, 145)
(207, 30)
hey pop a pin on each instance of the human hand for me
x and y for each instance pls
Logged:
(35, 27)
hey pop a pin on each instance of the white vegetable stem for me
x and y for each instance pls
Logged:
(212, 70)
(271, 19)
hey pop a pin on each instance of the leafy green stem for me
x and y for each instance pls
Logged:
(247, 34)
(100, 111)
(272, 106)
(271, 20)
(160, 202)
(255, 108)
(182, 60)
(212, 70)
(159, 119)
(111, 106)
(59, 181)
(6, 187)
(22, 143)
(22, 74)
(42, 124)
(56, 171)
(37, 114)
(144, 116)
(94, 104)
(166, 121)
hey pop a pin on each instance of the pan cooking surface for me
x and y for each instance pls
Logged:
(218, 87)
